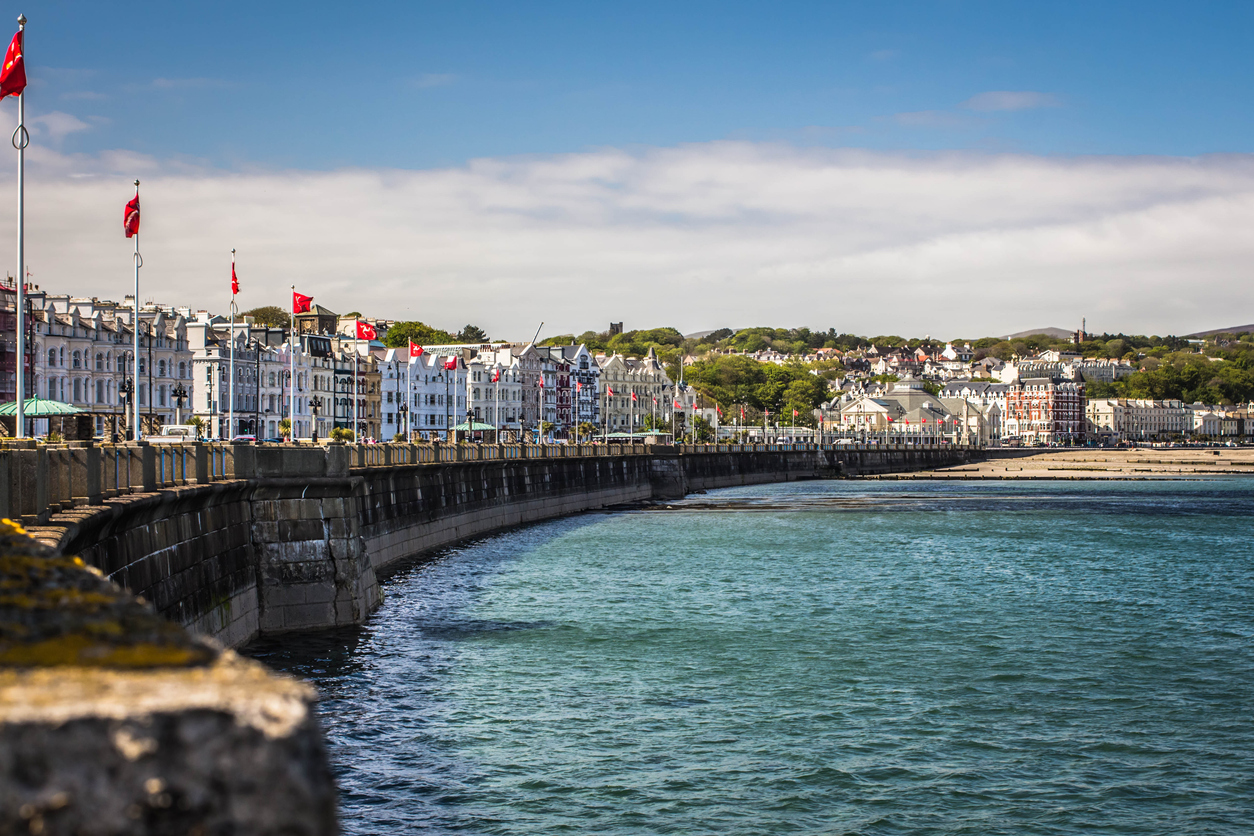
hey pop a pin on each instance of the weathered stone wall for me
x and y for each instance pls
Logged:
(114, 720)
(406, 510)
(190, 551)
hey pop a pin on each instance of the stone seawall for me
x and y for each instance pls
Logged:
(411, 510)
(293, 538)
(190, 551)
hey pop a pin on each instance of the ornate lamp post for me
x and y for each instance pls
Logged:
(403, 412)
(128, 389)
(315, 406)
(179, 393)
(213, 420)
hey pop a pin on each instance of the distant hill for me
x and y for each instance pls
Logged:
(696, 335)
(1236, 329)
(1057, 333)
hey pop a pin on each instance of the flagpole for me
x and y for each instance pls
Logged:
(356, 438)
(291, 375)
(137, 434)
(230, 413)
(20, 140)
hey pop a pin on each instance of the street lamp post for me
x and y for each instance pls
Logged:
(315, 406)
(213, 413)
(128, 389)
(179, 393)
(403, 411)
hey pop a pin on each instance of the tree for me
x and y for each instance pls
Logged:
(285, 427)
(400, 335)
(343, 434)
(586, 429)
(197, 423)
(269, 315)
(472, 334)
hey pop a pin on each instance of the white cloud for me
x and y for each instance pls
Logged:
(1011, 100)
(56, 125)
(696, 236)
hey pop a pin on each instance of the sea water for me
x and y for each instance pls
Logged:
(823, 657)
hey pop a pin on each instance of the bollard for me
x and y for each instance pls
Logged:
(148, 467)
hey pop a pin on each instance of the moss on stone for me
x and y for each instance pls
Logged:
(57, 611)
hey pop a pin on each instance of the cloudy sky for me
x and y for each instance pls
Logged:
(953, 169)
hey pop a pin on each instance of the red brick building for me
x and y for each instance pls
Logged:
(1041, 409)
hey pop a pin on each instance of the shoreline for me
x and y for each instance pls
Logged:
(1088, 464)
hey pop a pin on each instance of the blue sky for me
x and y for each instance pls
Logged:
(988, 167)
(318, 85)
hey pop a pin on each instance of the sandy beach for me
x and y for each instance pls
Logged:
(1088, 463)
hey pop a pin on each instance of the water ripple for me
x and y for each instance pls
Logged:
(869, 658)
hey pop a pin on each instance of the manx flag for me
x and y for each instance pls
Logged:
(414, 350)
(234, 280)
(130, 217)
(365, 331)
(301, 303)
(13, 75)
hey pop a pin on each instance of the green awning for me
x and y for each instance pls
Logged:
(474, 427)
(39, 408)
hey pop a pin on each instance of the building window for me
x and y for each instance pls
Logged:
(52, 357)
(78, 363)
(161, 368)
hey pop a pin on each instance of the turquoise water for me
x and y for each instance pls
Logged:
(824, 657)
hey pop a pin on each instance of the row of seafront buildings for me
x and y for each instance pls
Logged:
(1050, 410)
(80, 353)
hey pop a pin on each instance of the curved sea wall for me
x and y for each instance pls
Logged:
(236, 541)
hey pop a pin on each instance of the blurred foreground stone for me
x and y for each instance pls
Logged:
(115, 721)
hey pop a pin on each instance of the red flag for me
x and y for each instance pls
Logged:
(742, 413)
(414, 350)
(677, 406)
(130, 216)
(610, 391)
(234, 280)
(13, 75)
(496, 375)
(633, 398)
(578, 386)
(450, 364)
(301, 303)
(720, 410)
(365, 331)
(794, 413)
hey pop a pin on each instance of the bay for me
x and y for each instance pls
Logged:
(819, 657)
